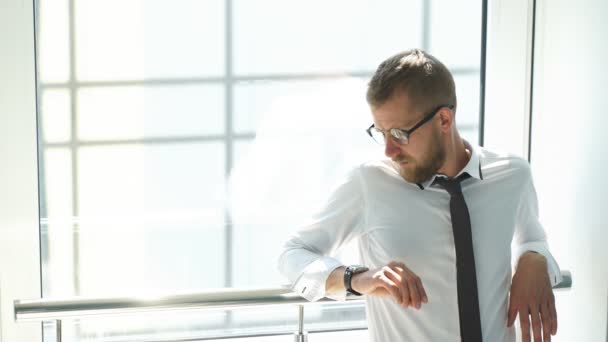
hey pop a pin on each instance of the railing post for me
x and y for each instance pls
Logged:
(58, 330)
(300, 335)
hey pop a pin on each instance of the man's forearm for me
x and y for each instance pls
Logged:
(335, 281)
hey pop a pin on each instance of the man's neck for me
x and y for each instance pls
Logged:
(457, 157)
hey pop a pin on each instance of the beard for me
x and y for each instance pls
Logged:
(419, 171)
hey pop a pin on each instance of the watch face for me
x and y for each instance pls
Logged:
(358, 269)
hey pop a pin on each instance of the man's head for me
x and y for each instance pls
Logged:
(407, 88)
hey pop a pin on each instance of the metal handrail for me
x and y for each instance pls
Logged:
(53, 309)
(80, 307)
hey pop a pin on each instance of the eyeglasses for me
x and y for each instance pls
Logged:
(401, 136)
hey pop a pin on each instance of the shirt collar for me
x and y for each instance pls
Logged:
(473, 167)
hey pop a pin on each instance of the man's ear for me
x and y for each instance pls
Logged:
(446, 119)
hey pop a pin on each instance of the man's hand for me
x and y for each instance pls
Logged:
(532, 298)
(393, 280)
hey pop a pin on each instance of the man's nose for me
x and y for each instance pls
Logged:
(391, 149)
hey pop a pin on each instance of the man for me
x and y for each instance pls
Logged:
(436, 224)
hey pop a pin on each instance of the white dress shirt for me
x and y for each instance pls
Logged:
(395, 220)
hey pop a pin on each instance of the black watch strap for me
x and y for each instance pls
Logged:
(348, 277)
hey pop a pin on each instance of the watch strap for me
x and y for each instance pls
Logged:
(348, 277)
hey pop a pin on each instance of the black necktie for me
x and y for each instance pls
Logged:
(468, 303)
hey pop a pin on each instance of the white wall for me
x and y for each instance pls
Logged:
(19, 256)
(570, 158)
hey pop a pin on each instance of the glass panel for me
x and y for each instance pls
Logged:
(352, 336)
(318, 130)
(260, 106)
(274, 36)
(194, 325)
(256, 246)
(53, 41)
(56, 115)
(467, 113)
(149, 39)
(312, 131)
(456, 32)
(57, 223)
(144, 203)
(241, 150)
(137, 112)
(150, 218)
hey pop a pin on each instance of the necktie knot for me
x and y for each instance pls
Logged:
(452, 186)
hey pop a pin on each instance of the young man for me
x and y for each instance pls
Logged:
(435, 223)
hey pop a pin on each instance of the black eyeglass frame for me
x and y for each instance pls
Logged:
(407, 132)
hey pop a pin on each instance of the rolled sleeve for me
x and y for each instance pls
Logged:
(311, 283)
(541, 248)
(307, 257)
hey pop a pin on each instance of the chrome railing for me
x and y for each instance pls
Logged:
(43, 310)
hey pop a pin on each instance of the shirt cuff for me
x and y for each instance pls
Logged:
(311, 283)
(555, 275)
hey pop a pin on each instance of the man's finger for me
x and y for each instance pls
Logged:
(553, 313)
(392, 288)
(512, 312)
(398, 280)
(414, 292)
(546, 337)
(424, 297)
(546, 319)
(407, 295)
(524, 323)
(398, 264)
(536, 325)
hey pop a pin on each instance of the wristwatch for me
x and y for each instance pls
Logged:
(348, 276)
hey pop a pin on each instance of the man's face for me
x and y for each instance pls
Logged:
(425, 153)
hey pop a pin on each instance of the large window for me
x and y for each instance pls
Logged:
(181, 141)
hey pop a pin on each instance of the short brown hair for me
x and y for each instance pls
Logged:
(427, 82)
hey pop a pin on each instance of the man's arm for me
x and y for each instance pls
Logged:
(307, 263)
(531, 296)
(306, 257)
(530, 236)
